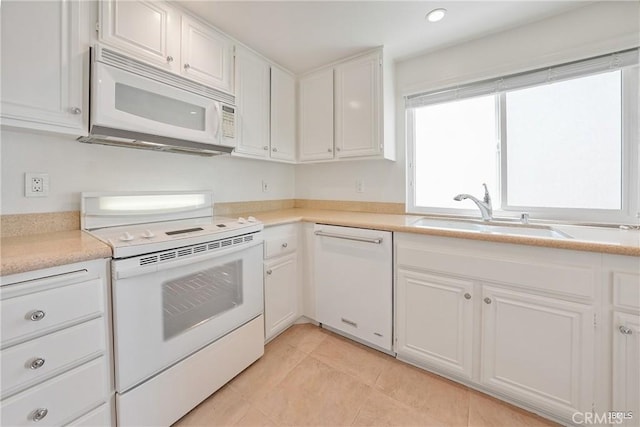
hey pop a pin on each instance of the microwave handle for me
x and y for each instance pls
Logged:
(218, 116)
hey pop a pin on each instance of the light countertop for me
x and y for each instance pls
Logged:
(26, 253)
(591, 239)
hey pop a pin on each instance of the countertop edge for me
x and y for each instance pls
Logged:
(578, 245)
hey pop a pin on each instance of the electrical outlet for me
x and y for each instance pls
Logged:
(36, 185)
(359, 186)
(265, 186)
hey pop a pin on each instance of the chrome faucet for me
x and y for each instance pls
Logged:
(486, 210)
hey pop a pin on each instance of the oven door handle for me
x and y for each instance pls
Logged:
(168, 265)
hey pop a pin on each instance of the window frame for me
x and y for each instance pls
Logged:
(630, 209)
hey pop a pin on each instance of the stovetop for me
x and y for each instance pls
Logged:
(138, 239)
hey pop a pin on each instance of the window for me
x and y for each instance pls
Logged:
(565, 149)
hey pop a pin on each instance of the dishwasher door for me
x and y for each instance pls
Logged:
(354, 282)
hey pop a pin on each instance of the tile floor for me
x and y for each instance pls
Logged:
(311, 377)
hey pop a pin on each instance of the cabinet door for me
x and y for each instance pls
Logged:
(148, 30)
(358, 112)
(206, 55)
(538, 349)
(626, 366)
(280, 294)
(316, 116)
(434, 322)
(42, 63)
(252, 98)
(283, 115)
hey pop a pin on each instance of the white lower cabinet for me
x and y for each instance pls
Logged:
(424, 300)
(55, 349)
(518, 322)
(280, 294)
(281, 279)
(538, 349)
(626, 367)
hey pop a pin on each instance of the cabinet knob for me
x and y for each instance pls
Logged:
(467, 296)
(39, 414)
(36, 363)
(487, 300)
(76, 111)
(329, 150)
(337, 148)
(624, 330)
(269, 272)
(36, 315)
(187, 66)
(169, 58)
(265, 147)
(284, 245)
(274, 149)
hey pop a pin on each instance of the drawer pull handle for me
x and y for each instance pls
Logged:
(269, 272)
(624, 330)
(284, 245)
(39, 414)
(487, 300)
(36, 363)
(349, 322)
(36, 315)
(467, 295)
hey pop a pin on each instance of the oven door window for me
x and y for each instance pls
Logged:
(190, 300)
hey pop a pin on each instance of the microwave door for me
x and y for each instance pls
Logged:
(130, 102)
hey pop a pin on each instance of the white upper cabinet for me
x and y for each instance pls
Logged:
(42, 66)
(163, 36)
(252, 98)
(316, 116)
(206, 55)
(283, 115)
(357, 101)
(346, 111)
(148, 30)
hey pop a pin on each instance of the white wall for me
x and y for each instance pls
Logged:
(588, 31)
(74, 167)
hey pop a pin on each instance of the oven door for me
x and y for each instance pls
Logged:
(167, 311)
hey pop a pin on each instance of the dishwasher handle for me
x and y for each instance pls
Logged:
(376, 240)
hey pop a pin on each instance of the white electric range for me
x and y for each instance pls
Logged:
(187, 296)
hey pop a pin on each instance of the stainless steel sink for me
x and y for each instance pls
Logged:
(492, 227)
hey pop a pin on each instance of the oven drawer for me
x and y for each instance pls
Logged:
(32, 314)
(29, 362)
(59, 400)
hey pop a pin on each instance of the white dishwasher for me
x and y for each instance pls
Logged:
(354, 282)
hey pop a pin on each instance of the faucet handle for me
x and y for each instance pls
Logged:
(487, 197)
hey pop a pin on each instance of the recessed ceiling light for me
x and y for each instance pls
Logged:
(436, 15)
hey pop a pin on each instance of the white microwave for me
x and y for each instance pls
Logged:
(136, 105)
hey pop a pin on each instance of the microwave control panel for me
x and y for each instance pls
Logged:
(228, 122)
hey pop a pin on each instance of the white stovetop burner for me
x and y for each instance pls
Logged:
(141, 231)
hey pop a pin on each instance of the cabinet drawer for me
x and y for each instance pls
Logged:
(280, 245)
(27, 316)
(97, 417)
(33, 360)
(626, 290)
(59, 400)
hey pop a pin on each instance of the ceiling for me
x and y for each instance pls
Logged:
(303, 35)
